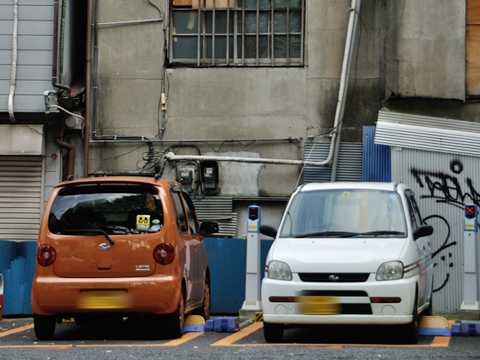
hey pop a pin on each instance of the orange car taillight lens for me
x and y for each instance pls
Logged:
(46, 255)
(164, 253)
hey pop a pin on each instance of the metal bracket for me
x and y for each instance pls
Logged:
(50, 99)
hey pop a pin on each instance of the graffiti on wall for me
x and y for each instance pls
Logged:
(445, 188)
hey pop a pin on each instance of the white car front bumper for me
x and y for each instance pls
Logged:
(355, 301)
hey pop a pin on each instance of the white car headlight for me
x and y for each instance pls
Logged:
(391, 270)
(278, 270)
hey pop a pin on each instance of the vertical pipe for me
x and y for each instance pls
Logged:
(227, 43)
(272, 19)
(288, 34)
(199, 43)
(13, 77)
(302, 31)
(243, 33)
(57, 133)
(86, 142)
(56, 21)
(347, 62)
(213, 34)
(257, 35)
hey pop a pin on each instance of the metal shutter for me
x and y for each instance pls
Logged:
(219, 209)
(349, 162)
(20, 197)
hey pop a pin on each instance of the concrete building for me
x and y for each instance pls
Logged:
(134, 81)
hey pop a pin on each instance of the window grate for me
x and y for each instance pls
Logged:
(237, 32)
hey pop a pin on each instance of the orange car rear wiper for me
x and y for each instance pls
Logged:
(88, 232)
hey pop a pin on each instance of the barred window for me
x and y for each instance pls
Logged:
(237, 32)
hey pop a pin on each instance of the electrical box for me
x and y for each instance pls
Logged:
(187, 176)
(210, 175)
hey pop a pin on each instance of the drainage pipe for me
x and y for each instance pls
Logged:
(342, 95)
(172, 157)
(190, 141)
(13, 77)
(57, 133)
(88, 92)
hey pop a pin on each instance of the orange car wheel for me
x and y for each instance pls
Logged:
(44, 326)
(177, 319)
(204, 311)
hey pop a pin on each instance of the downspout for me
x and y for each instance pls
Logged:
(56, 21)
(57, 133)
(13, 77)
(88, 111)
(342, 95)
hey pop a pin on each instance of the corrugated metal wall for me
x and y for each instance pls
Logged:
(376, 158)
(219, 209)
(228, 265)
(17, 265)
(35, 53)
(442, 184)
(428, 133)
(21, 197)
(349, 162)
(440, 159)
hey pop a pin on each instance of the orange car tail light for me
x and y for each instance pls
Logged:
(46, 255)
(164, 253)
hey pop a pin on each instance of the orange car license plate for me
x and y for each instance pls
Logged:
(103, 300)
(320, 305)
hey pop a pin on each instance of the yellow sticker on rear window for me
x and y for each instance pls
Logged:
(143, 222)
(346, 193)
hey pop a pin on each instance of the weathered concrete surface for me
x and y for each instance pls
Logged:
(237, 103)
(425, 48)
(408, 56)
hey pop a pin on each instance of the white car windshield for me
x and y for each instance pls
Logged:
(344, 213)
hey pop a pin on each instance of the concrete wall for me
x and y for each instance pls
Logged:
(409, 56)
(426, 48)
(234, 103)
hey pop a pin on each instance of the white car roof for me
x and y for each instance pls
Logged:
(389, 186)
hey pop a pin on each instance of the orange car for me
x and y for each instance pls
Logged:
(119, 247)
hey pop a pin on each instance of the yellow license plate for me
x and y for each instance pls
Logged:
(103, 300)
(320, 305)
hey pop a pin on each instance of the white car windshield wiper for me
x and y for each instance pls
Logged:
(326, 234)
(375, 233)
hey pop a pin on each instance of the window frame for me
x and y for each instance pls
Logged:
(177, 202)
(415, 216)
(193, 222)
(232, 16)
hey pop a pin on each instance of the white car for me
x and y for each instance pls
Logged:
(348, 253)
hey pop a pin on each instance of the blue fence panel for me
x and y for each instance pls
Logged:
(376, 158)
(228, 264)
(17, 265)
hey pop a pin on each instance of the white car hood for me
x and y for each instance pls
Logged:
(337, 255)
